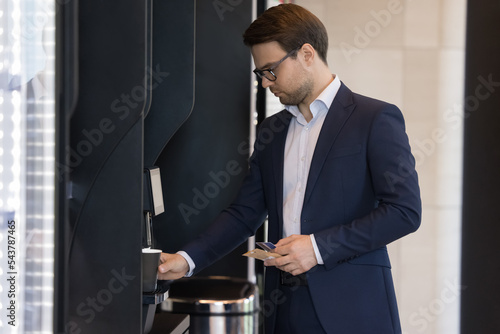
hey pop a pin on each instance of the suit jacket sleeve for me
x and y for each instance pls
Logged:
(235, 224)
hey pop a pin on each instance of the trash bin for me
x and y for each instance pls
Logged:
(216, 304)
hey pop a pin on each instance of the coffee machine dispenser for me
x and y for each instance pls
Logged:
(153, 202)
(153, 206)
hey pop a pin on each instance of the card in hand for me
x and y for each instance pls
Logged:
(267, 246)
(261, 254)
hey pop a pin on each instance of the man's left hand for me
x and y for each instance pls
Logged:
(297, 255)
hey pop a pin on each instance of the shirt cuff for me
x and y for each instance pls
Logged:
(316, 250)
(189, 261)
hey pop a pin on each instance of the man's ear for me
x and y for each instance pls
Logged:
(308, 53)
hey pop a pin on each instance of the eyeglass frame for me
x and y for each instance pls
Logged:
(262, 75)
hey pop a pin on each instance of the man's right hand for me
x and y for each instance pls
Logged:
(173, 266)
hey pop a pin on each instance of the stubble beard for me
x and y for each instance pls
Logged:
(298, 95)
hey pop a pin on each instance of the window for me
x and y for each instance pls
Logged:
(27, 119)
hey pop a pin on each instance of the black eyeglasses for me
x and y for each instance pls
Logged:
(268, 72)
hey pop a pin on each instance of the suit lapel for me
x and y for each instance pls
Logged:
(340, 110)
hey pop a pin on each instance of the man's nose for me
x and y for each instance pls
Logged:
(266, 82)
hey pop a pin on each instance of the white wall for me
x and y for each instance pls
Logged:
(411, 53)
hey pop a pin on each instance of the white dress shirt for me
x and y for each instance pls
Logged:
(301, 140)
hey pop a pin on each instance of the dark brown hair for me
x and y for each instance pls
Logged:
(291, 26)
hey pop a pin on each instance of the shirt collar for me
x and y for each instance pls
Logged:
(322, 102)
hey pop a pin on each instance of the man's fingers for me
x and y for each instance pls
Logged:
(297, 271)
(173, 266)
(270, 262)
(286, 241)
(164, 267)
(281, 250)
(277, 262)
(163, 257)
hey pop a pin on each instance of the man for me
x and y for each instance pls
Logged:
(335, 176)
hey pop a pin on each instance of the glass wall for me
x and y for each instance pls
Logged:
(27, 118)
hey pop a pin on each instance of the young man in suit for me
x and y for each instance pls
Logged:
(335, 176)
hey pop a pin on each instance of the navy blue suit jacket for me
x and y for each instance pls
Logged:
(362, 193)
